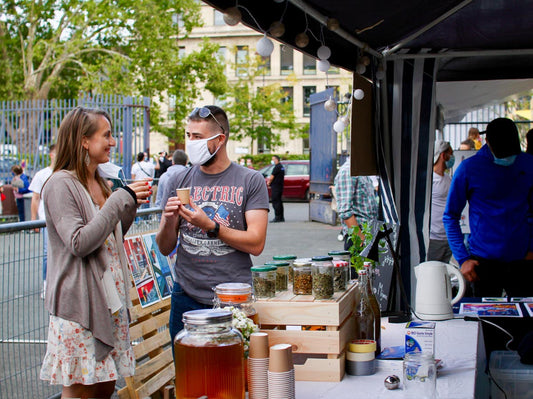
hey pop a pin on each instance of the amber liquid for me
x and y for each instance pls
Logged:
(216, 372)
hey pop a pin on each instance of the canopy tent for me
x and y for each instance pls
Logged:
(417, 44)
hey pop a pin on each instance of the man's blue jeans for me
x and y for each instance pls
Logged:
(179, 304)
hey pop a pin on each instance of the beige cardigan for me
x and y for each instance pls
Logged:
(77, 259)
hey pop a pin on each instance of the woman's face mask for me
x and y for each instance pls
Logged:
(198, 150)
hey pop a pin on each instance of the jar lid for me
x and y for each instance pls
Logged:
(321, 258)
(233, 292)
(284, 257)
(340, 263)
(207, 316)
(339, 252)
(265, 268)
(278, 263)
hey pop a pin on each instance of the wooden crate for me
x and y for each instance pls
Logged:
(321, 352)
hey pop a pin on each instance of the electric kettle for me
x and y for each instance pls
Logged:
(434, 290)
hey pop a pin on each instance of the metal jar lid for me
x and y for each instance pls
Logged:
(339, 253)
(277, 263)
(284, 257)
(204, 317)
(300, 262)
(233, 288)
(321, 258)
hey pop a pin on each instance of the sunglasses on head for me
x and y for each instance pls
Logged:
(204, 112)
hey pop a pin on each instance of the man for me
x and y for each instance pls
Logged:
(356, 201)
(225, 222)
(497, 183)
(275, 181)
(443, 159)
(179, 160)
(37, 206)
(143, 168)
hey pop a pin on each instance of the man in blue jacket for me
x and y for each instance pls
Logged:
(497, 182)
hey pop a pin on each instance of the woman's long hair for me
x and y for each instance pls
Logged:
(79, 123)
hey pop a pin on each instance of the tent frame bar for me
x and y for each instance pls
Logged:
(455, 54)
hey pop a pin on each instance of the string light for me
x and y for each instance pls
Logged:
(360, 68)
(380, 73)
(339, 126)
(264, 46)
(232, 16)
(323, 65)
(332, 24)
(330, 104)
(277, 29)
(301, 40)
(358, 94)
(323, 52)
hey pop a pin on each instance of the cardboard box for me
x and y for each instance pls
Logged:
(420, 337)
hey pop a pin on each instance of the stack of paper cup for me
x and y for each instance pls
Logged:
(258, 366)
(281, 373)
(360, 357)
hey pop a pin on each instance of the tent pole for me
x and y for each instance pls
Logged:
(455, 54)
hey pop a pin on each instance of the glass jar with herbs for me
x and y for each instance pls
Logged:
(341, 275)
(264, 281)
(303, 277)
(287, 258)
(322, 269)
(340, 255)
(238, 295)
(282, 274)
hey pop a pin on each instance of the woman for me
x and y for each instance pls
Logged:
(87, 278)
(20, 185)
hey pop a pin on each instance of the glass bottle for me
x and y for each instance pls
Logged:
(238, 295)
(209, 356)
(375, 307)
(364, 315)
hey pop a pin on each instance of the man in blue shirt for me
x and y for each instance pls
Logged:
(497, 182)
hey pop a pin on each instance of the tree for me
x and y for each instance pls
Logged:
(258, 112)
(60, 48)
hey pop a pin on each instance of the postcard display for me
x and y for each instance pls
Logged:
(151, 271)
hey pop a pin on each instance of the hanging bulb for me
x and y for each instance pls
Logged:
(360, 69)
(277, 29)
(301, 40)
(332, 24)
(232, 16)
(323, 65)
(265, 46)
(339, 126)
(358, 94)
(330, 105)
(323, 52)
(345, 119)
(380, 73)
(365, 60)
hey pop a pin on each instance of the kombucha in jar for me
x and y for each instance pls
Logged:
(209, 357)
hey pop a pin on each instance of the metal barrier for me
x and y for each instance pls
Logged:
(24, 320)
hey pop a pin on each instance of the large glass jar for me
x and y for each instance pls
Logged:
(287, 258)
(264, 281)
(282, 274)
(322, 269)
(303, 277)
(341, 275)
(209, 356)
(238, 295)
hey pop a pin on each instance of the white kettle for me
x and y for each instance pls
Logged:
(434, 290)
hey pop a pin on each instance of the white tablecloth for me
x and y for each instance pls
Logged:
(458, 343)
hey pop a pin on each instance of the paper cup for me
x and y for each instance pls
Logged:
(258, 345)
(280, 358)
(184, 194)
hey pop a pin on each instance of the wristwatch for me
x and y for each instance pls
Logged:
(213, 233)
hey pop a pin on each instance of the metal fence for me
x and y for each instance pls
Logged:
(27, 128)
(24, 320)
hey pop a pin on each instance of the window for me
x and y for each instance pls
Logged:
(309, 65)
(333, 70)
(171, 106)
(241, 61)
(308, 90)
(218, 19)
(181, 52)
(286, 60)
(221, 54)
(297, 169)
(289, 95)
(177, 19)
(264, 66)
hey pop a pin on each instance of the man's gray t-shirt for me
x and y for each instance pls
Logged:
(204, 262)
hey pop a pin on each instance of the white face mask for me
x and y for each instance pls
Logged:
(199, 151)
(109, 170)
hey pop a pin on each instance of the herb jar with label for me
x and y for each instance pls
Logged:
(264, 281)
(238, 295)
(322, 268)
(282, 274)
(303, 277)
(287, 258)
(341, 275)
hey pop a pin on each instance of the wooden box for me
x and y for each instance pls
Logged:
(318, 331)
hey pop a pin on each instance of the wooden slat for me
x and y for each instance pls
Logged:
(137, 311)
(147, 369)
(157, 341)
(152, 324)
(157, 382)
(320, 370)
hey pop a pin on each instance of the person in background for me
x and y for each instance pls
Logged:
(275, 181)
(21, 186)
(143, 168)
(179, 160)
(37, 206)
(249, 163)
(443, 159)
(497, 184)
(529, 140)
(475, 137)
(88, 277)
(467, 145)
(224, 223)
(161, 165)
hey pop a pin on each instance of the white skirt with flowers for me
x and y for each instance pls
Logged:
(70, 355)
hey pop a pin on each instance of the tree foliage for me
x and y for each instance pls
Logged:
(59, 48)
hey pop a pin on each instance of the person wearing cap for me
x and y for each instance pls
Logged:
(443, 159)
(497, 183)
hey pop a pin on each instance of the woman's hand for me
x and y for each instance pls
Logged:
(142, 189)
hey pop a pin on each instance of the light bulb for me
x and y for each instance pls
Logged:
(380, 73)
(277, 29)
(332, 24)
(330, 105)
(323, 65)
(301, 40)
(345, 119)
(358, 94)
(339, 126)
(365, 60)
(323, 52)
(265, 46)
(360, 69)
(232, 16)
